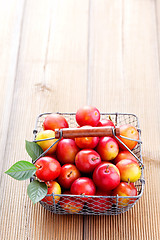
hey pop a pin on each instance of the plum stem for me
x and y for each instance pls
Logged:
(107, 168)
(110, 118)
(38, 166)
(129, 181)
(48, 184)
(69, 174)
(93, 159)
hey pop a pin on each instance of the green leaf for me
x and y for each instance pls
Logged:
(33, 150)
(21, 170)
(36, 191)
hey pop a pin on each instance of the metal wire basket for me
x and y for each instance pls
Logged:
(95, 205)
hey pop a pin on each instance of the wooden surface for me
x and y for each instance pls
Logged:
(58, 55)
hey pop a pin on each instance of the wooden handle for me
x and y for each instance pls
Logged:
(87, 132)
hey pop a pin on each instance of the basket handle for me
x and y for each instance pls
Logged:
(87, 132)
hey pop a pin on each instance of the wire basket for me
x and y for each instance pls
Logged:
(95, 205)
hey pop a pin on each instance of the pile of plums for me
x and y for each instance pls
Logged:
(97, 166)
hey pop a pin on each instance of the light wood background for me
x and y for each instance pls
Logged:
(58, 55)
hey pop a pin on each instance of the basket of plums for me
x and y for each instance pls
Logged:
(85, 162)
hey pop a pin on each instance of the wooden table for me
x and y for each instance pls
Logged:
(59, 55)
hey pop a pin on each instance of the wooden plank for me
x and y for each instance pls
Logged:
(11, 23)
(51, 76)
(157, 19)
(105, 53)
(124, 72)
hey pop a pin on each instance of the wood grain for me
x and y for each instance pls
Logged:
(157, 20)
(131, 73)
(10, 34)
(58, 55)
(52, 53)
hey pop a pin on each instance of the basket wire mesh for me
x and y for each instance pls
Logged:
(95, 205)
